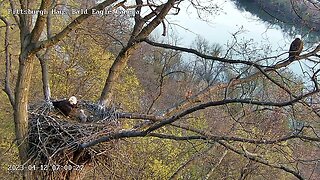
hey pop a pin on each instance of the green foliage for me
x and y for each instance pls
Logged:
(80, 73)
(129, 90)
(80, 68)
(4, 11)
(155, 158)
(8, 150)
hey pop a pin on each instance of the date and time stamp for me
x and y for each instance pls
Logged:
(44, 167)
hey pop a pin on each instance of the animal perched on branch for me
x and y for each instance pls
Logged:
(295, 48)
(66, 106)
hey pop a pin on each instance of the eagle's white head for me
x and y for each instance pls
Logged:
(298, 36)
(73, 100)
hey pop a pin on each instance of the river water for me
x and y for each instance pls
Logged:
(218, 28)
(229, 20)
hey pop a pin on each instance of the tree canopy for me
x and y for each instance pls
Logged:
(155, 109)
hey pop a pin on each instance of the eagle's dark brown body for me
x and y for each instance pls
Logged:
(295, 49)
(64, 106)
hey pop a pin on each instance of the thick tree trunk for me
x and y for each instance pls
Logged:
(44, 60)
(21, 103)
(45, 79)
(114, 72)
(124, 55)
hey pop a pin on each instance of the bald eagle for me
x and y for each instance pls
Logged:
(66, 106)
(295, 48)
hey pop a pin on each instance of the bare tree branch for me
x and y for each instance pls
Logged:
(177, 138)
(157, 20)
(16, 18)
(124, 55)
(44, 60)
(197, 155)
(140, 116)
(216, 165)
(7, 88)
(260, 160)
(155, 126)
(161, 80)
(41, 22)
(208, 136)
(189, 50)
(53, 40)
(215, 88)
(45, 76)
(224, 102)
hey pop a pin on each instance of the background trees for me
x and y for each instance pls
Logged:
(248, 115)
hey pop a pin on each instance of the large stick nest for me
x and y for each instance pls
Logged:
(55, 139)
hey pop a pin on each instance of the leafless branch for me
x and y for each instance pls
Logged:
(161, 81)
(16, 18)
(140, 116)
(216, 165)
(208, 136)
(196, 156)
(192, 51)
(7, 88)
(53, 40)
(40, 22)
(208, 90)
(261, 160)
(44, 59)
(155, 126)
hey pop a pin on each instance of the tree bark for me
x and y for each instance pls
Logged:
(21, 109)
(138, 35)
(7, 88)
(45, 79)
(30, 45)
(44, 60)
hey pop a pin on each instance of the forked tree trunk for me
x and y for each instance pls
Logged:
(139, 34)
(21, 104)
